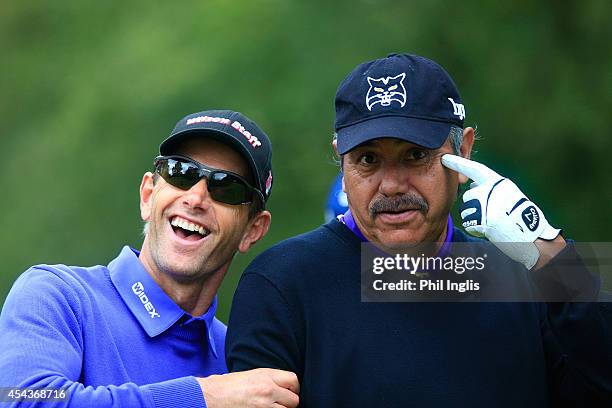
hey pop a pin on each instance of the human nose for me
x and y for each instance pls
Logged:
(198, 195)
(394, 180)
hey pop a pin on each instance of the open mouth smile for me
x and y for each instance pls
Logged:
(188, 230)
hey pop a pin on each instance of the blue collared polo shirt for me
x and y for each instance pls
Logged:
(109, 335)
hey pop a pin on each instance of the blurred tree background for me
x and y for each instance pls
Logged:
(89, 89)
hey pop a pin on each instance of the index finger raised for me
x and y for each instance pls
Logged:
(472, 169)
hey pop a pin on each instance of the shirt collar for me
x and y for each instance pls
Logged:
(208, 318)
(155, 311)
(348, 220)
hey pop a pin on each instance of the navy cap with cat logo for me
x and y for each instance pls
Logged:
(402, 96)
(234, 129)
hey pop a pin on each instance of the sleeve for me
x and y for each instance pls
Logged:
(577, 335)
(262, 329)
(42, 345)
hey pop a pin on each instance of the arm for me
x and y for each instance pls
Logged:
(262, 329)
(577, 336)
(42, 345)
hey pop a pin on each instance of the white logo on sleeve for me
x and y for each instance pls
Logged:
(138, 290)
(386, 90)
(458, 109)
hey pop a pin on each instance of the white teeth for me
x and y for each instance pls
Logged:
(189, 226)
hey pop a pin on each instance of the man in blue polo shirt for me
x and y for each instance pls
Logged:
(142, 331)
(404, 151)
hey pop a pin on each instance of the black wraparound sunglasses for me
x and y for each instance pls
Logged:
(223, 186)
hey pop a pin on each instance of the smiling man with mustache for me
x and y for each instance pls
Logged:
(404, 151)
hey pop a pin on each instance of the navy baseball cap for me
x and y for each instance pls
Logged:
(234, 129)
(402, 96)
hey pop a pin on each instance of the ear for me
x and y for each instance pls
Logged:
(335, 147)
(255, 230)
(146, 194)
(466, 149)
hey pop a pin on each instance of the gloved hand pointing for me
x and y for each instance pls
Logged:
(496, 209)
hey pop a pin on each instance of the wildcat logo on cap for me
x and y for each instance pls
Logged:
(386, 90)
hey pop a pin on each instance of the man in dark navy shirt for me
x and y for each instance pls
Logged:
(404, 151)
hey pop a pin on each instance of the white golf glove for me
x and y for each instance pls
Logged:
(496, 209)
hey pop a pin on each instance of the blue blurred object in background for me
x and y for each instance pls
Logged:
(337, 202)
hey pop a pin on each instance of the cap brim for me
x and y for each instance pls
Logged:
(169, 146)
(427, 133)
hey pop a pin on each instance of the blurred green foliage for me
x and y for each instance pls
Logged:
(89, 89)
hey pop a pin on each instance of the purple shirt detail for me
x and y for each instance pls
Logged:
(348, 220)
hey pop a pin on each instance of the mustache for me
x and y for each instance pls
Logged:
(408, 201)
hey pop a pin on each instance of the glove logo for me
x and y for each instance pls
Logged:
(471, 213)
(531, 218)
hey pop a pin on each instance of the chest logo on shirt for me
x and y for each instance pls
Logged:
(138, 289)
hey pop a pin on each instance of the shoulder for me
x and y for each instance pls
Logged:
(296, 265)
(320, 237)
(75, 277)
(56, 284)
(307, 250)
(48, 296)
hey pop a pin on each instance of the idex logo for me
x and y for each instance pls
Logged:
(138, 290)
(385, 90)
(531, 218)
